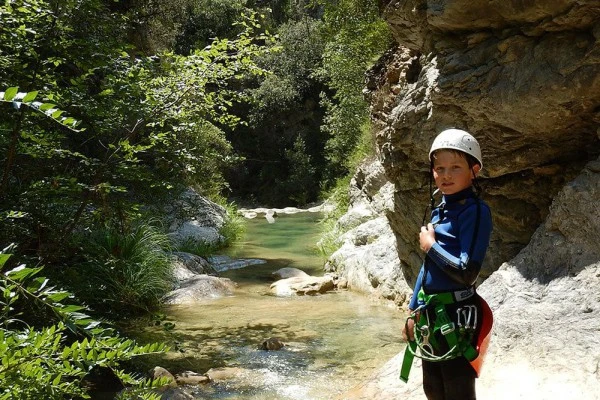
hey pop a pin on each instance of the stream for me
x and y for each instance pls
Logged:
(332, 341)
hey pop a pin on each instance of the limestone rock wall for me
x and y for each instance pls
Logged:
(523, 77)
(367, 260)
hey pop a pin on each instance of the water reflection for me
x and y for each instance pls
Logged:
(333, 341)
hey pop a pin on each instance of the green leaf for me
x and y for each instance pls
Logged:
(10, 93)
(66, 352)
(30, 96)
(21, 272)
(47, 106)
(58, 296)
(56, 114)
(3, 259)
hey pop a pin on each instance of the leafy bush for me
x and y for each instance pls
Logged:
(329, 240)
(197, 247)
(151, 122)
(356, 37)
(50, 362)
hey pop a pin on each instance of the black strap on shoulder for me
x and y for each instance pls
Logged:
(476, 230)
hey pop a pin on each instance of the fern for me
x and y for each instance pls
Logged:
(46, 362)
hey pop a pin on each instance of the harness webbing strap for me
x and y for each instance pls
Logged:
(459, 341)
(407, 361)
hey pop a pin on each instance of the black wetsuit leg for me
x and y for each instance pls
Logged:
(449, 380)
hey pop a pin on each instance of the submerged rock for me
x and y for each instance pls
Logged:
(272, 344)
(192, 378)
(200, 287)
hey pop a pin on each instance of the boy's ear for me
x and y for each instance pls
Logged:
(476, 169)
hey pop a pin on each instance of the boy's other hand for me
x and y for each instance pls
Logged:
(427, 237)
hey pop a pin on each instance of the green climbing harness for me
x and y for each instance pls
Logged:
(458, 336)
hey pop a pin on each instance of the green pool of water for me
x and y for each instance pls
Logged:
(333, 341)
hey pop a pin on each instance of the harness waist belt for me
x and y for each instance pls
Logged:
(451, 297)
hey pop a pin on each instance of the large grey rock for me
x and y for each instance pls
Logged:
(194, 263)
(302, 285)
(195, 219)
(366, 260)
(523, 77)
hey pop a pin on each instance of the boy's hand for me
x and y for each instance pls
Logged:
(427, 237)
(408, 332)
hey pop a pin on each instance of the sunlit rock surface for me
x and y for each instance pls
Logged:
(193, 218)
(524, 78)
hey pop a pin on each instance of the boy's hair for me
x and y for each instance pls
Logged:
(471, 161)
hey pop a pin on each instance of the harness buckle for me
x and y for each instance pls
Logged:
(447, 328)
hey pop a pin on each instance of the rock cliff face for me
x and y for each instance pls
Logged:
(524, 78)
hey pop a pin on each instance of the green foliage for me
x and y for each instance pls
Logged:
(125, 272)
(284, 117)
(18, 99)
(329, 240)
(49, 362)
(197, 247)
(234, 226)
(356, 36)
(298, 55)
(206, 20)
(151, 122)
(300, 183)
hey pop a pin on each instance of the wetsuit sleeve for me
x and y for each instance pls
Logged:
(413, 300)
(465, 268)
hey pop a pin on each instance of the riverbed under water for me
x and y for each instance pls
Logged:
(333, 341)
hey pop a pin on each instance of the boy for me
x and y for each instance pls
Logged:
(445, 324)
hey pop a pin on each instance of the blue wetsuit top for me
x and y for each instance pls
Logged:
(453, 262)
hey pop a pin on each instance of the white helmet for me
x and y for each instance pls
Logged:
(457, 139)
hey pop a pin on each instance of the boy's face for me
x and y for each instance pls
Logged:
(451, 171)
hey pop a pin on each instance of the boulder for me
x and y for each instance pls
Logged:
(160, 372)
(194, 218)
(366, 260)
(288, 272)
(200, 287)
(302, 285)
(272, 344)
(192, 378)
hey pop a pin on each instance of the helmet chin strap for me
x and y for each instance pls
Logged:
(476, 185)
(432, 193)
